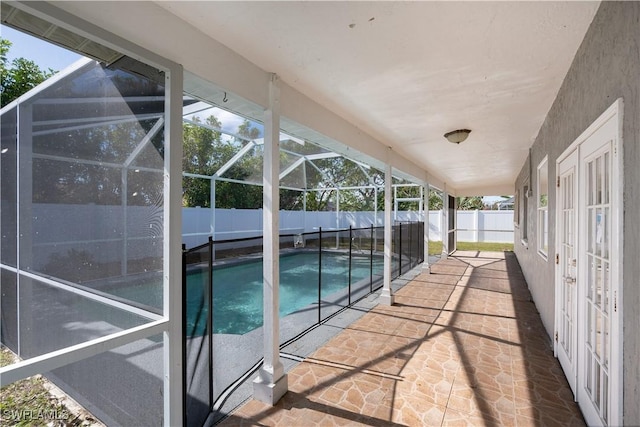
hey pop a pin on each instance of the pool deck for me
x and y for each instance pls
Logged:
(463, 345)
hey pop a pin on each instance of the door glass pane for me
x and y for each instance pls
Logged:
(606, 232)
(589, 325)
(590, 277)
(596, 388)
(605, 398)
(591, 229)
(589, 363)
(568, 319)
(605, 342)
(590, 179)
(597, 283)
(598, 183)
(599, 231)
(571, 192)
(598, 329)
(605, 286)
(570, 223)
(606, 189)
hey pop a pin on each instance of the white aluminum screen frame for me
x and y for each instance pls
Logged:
(170, 323)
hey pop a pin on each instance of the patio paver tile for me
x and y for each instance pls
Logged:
(462, 346)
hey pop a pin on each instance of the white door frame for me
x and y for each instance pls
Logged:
(568, 362)
(615, 113)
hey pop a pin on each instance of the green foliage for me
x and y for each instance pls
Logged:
(205, 152)
(407, 193)
(484, 246)
(435, 200)
(470, 203)
(19, 76)
(342, 172)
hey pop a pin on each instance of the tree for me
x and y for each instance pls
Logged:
(201, 146)
(435, 200)
(247, 130)
(205, 152)
(470, 203)
(19, 76)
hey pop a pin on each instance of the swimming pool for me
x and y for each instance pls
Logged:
(237, 289)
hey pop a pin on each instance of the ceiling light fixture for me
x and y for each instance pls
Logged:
(457, 136)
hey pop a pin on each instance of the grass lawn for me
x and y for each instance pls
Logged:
(485, 246)
(29, 402)
(435, 247)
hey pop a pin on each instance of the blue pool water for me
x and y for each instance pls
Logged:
(237, 289)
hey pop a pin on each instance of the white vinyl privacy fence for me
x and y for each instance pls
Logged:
(485, 226)
(473, 226)
(109, 240)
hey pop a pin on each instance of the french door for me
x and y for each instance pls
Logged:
(588, 285)
(566, 292)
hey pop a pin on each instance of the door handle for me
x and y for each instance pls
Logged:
(569, 280)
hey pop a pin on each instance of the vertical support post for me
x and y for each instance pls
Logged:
(425, 263)
(375, 214)
(350, 254)
(337, 218)
(319, 274)
(386, 296)
(304, 211)
(400, 249)
(271, 383)
(476, 225)
(125, 232)
(395, 203)
(212, 203)
(184, 336)
(445, 224)
(172, 293)
(209, 296)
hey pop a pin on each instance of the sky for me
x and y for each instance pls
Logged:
(46, 55)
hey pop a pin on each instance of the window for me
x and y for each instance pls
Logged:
(543, 208)
(526, 193)
(516, 209)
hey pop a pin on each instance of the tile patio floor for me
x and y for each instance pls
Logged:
(463, 345)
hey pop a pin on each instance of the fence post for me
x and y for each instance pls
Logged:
(184, 334)
(209, 296)
(476, 225)
(410, 244)
(421, 244)
(319, 272)
(350, 249)
(400, 251)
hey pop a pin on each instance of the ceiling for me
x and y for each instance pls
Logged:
(408, 72)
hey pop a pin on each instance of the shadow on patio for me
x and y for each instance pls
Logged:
(462, 345)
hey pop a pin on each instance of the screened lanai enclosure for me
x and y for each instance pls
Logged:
(83, 229)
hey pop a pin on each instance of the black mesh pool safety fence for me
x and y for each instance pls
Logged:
(321, 273)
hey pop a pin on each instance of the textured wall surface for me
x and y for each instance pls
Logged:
(605, 68)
